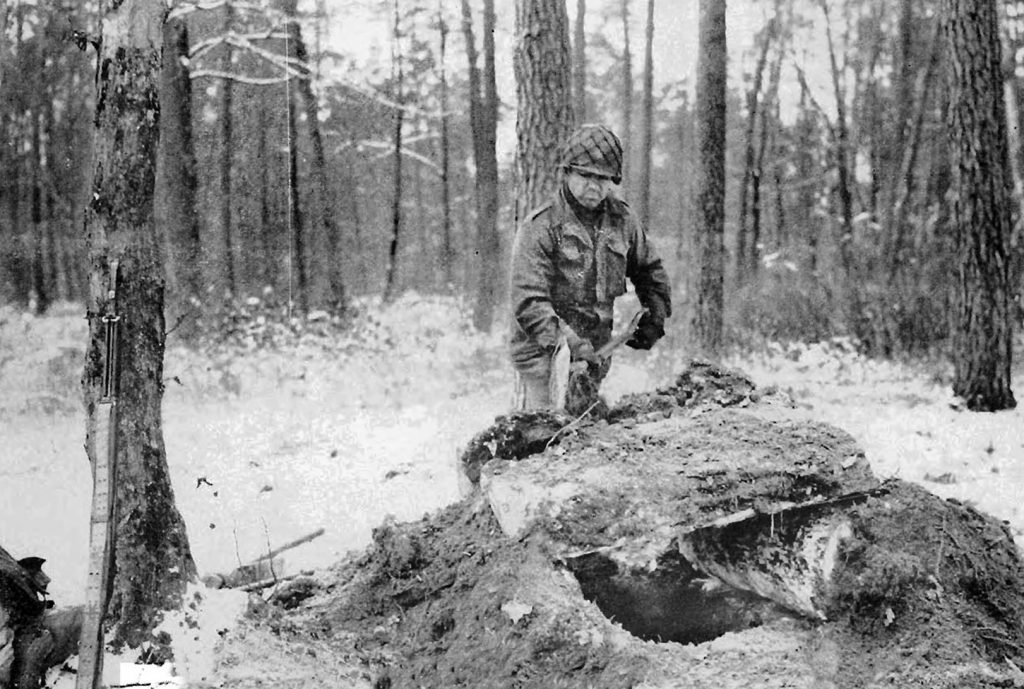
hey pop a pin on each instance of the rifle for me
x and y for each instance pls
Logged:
(101, 534)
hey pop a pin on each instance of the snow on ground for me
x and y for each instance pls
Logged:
(266, 446)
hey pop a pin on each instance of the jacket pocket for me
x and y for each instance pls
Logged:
(615, 267)
(571, 268)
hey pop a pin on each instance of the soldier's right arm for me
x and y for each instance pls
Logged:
(531, 278)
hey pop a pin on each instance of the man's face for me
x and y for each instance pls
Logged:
(588, 188)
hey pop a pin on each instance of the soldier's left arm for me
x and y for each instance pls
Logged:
(648, 275)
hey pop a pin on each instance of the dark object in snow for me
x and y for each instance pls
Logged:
(32, 639)
(22, 586)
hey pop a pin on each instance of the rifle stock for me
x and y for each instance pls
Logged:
(99, 580)
(97, 587)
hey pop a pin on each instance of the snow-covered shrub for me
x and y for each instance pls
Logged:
(420, 344)
(41, 360)
(781, 304)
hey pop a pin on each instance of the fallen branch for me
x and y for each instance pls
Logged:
(264, 568)
(291, 544)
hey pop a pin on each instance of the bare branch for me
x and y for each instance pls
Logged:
(293, 66)
(240, 78)
(186, 8)
(802, 78)
(389, 148)
(200, 48)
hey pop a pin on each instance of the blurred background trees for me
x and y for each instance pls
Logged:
(311, 154)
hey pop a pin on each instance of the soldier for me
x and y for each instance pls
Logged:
(570, 259)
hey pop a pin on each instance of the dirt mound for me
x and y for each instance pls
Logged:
(711, 547)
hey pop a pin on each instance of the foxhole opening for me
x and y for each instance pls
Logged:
(674, 602)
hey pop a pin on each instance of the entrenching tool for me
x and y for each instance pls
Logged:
(570, 385)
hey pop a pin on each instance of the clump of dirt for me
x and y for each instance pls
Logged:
(449, 601)
(701, 383)
(932, 577)
(512, 436)
(524, 433)
(927, 592)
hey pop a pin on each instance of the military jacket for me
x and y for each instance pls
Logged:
(565, 278)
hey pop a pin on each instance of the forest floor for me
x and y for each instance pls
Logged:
(268, 443)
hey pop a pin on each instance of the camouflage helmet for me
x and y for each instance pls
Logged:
(594, 149)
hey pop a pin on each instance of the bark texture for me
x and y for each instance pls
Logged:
(226, 159)
(579, 61)
(543, 93)
(711, 72)
(391, 285)
(483, 115)
(981, 191)
(176, 182)
(647, 121)
(326, 238)
(153, 562)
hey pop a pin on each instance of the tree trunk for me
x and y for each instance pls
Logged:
(807, 180)
(766, 135)
(226, 161)
(1015, 125)
(983, 328)
(647, 123)
(16, 247)
(327, 239)
(490, 291)
(423, 273)
(543, 95)
(391, 283)
(152, 561)
(842, 152)
(905, 65)
(904, 184)
(447, 247)
(40, 283)
(176, 183)
(627, 91)
(295, 214)
(359, 255)
(579, 61)
(711, 112)
(483, 116)
(684, 172)
(746, 253)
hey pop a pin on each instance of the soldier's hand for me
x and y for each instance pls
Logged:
(648, 331)
(582, 350)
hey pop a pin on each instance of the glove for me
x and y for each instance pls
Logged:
(649, 330)
(582, 350)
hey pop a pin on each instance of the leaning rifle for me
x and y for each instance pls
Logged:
(101, 535)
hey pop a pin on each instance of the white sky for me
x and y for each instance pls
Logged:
(358, 28)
